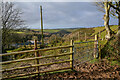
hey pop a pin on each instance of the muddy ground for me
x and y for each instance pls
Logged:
(86, 71)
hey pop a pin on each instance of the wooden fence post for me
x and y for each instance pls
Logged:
(99, 35)
(30, 44)
(99, 51)
(69, 39)
(85, 37)
(55, 40)
(78, 36)
(24, 44)
(71, 56)
(96, 46)
(36, 55)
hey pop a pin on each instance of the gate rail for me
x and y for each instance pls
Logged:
(37, 58)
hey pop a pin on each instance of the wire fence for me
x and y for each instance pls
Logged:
(85, 51)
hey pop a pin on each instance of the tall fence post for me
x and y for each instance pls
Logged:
(36, 55)
(96, 46)
(71, 56)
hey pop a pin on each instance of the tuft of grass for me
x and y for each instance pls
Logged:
(20, 32)
(18, 49)
(115, 63)
(94, 61)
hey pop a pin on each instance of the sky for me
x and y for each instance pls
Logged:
(62, 14)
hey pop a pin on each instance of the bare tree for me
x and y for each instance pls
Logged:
(101, 8)
(110, 8)
(11, 20)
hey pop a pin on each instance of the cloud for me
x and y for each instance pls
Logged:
(61, 14)
(54, 0)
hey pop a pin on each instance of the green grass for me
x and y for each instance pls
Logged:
(103, 33)
(20, 32)
(54, 30)
(114, 28)
(57, 30)
(94, 61)
(97, 29)
(102, 43)
(115, 63)
(71, 30)
(51, 30)
(18, 49)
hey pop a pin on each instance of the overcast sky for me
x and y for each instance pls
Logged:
(62, 14)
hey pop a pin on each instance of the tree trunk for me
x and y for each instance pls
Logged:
(119, 18)
(118, 33)
(119, 21)
(106, 20)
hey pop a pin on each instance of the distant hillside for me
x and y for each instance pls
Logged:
(62, 32)
(56, 30)
(70, 33)
(102, 30)
(80, 33)
(90, 32)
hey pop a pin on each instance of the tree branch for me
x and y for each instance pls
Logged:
(114, 6)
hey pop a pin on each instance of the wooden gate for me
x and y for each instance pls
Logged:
(37, 62)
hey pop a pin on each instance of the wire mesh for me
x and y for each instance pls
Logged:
(84, 51)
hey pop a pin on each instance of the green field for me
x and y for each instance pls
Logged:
(55, 30)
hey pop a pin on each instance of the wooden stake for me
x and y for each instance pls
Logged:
(55, 40)
(24, 44)
(69, 39)
(71, 56)
(36, 55)
(85, 37)
(100, 52)
(99, 35)
(95, 45)
(78, 36)
(30, 44)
